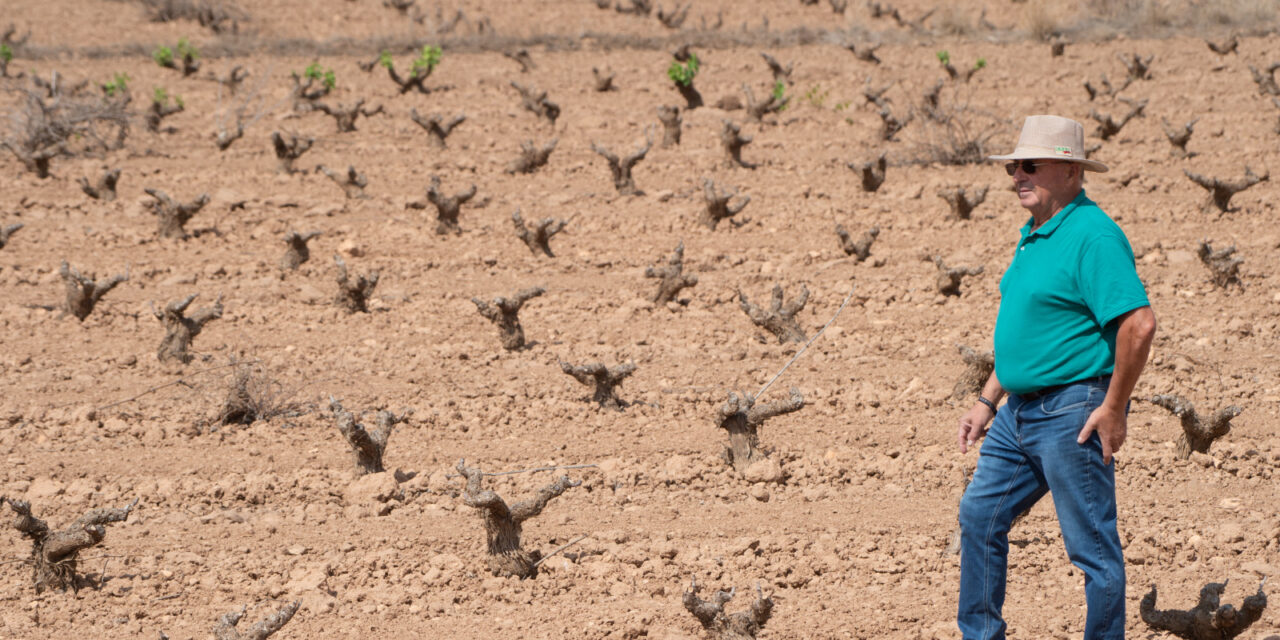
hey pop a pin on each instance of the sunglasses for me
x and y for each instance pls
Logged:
(1028, 167)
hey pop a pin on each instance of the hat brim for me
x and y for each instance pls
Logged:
(1089, 165)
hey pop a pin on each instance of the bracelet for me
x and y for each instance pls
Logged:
(990, 405)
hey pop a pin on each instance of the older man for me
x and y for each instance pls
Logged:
(1071, 338)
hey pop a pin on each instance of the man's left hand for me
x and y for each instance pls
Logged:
(1111, 426)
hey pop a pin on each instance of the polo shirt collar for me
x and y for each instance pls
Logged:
(1056, 221)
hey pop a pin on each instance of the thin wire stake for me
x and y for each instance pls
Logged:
(806, 345)
(511, 473)
(558, 550)
(178, 381)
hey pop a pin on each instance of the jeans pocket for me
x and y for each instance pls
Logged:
(1074, 398)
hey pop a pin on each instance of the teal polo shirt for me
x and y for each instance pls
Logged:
(1068, 282)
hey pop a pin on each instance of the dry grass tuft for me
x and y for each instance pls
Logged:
(250, 393)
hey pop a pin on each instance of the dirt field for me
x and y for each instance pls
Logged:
(847, 532)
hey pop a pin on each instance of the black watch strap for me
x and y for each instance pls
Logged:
(990, 405)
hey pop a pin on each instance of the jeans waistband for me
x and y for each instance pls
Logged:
(1040, 393)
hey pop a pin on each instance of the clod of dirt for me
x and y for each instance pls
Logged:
(861, 249)
(732, 141)
(83, 293)
(779, 319)
(872, 173)
(1223, 265)
(1221, 191)
(447, 207)
(950, 278)
(669, 116)
(288, 150)
(1197, 432)
(367, 446)
(352, 182)
(180, 330)
(532, 157)
(504, 312)
(603, 379)
(743, 625)
(226, 627)
(620, 170)
(719, 205)
(353, 295)
(1207, 620)
(742, 418)
(962, 203)
(173, 216)
(672, 277)
(296, 251)
(536, 103)
(436, 127)
(345, 116)
(978, 368)
(54, 553)
(104, 189)
(503, 524)
(538, 236)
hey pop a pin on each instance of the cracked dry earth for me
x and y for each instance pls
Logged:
(847, 531)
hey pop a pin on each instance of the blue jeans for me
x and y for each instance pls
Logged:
(1031, 450)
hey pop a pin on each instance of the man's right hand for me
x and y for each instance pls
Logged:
(973, 425)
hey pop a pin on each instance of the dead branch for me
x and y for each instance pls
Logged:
(743, 625)
(296, 251)
(865, 53)
(254, 394)
(1230, 45)
(532, 157)
(522, 58)
(538, 236)
(1207, 620)
(536, 103)
(779, 319)
(173, 216)
(876, 96)
(1223, 265)
(345, 116)
(232, 79)
(603, 81)
(671, 277)
(890, 124)
(189, 64)
(83, 292)
(352, 182)
(742, 418)
(306, 94)
(838, 6)
(289, 150)
(1139, 68)
(732, 142)
(54, 554)
(367, 446)
(1266, 79)
(180, 330)
(719, 203)
(436, 127)
(1108, 126)
(105, 189)
(226, 627)
(353, 295)
(620, 170)
(603, 379)
(503, 524)
(1198, 432)
(1221, 191)
(447, 207)
(860, 249)
(415, 81)
(158, 111)
(757, 110)
(1179, 137)
(674, 19)
(961, 202)
(8, 230)
(872, 173)
(42, 127)
(504, 312)
(669, 116)
(780, 73)
(950, 278)
(635, 7)
(402, 6)
(978, 368)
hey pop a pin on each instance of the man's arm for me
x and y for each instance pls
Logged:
(1133, 345)
(973, 424)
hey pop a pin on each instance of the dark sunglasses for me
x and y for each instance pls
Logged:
(1028, 167)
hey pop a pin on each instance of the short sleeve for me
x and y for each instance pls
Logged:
(1108, 278)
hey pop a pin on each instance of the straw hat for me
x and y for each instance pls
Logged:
(1052, 138)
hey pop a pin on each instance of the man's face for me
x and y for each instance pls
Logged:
(1050, 188)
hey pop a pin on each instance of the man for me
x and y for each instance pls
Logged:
(1072, 335)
